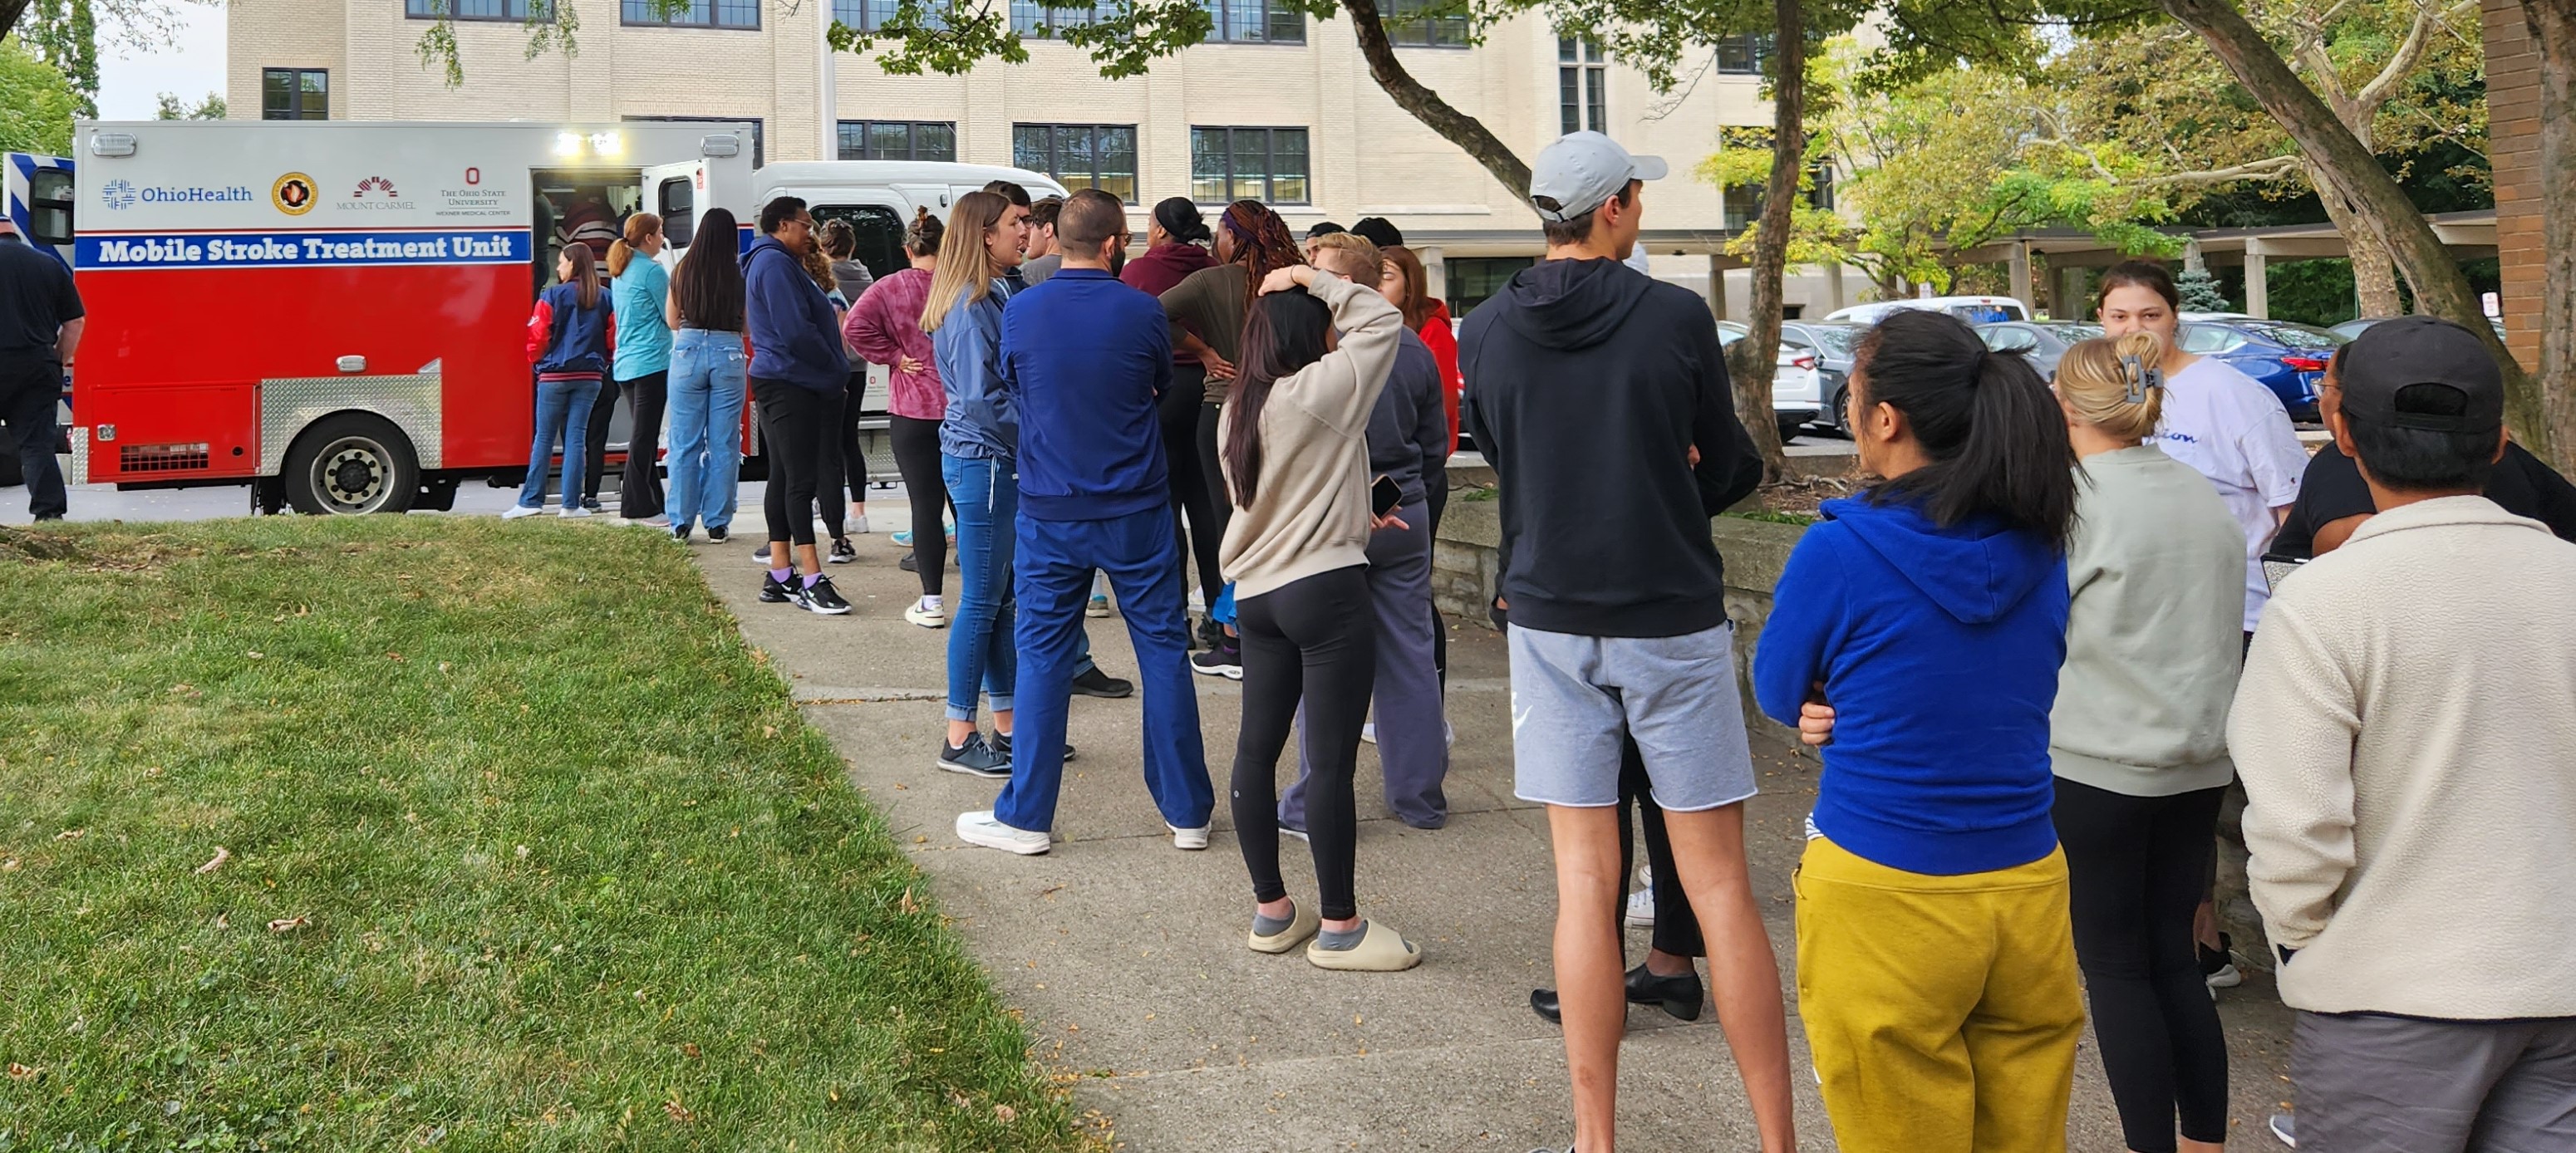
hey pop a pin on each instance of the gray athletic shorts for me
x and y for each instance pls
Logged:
(1574, 696)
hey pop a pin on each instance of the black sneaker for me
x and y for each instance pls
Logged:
(842, 553)
(1211, 634)
(975, 758)
(1002, 743)
(772, 592)
(591, 503)
(908, 564)
(717, 533)
(760, 556)
(680, 533)
(1092, 682)
(822, 598)
(1224, 660)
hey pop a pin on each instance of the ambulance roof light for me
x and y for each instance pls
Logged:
(726, 145)
(567, 144)
(607, 144)
(112, 144)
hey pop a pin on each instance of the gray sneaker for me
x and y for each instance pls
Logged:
(975, 758)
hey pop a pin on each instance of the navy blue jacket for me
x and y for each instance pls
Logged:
(565, 339)
(1085, 360)
(795, 334)
(1408, 431)
(1938, 649)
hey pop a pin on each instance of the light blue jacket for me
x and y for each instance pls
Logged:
(643, 337)
(968, 348)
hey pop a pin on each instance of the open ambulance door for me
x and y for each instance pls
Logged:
(678, 194)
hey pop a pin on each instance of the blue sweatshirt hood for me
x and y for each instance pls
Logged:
(1977, 570)
(795, 334)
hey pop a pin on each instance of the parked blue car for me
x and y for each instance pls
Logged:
(2285, 356)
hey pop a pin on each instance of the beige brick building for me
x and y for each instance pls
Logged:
(1275, 106)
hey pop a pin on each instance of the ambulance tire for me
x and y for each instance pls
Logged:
(354, 462)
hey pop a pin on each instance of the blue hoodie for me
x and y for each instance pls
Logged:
(1938, 649)
(795, 335)
(1085, 360)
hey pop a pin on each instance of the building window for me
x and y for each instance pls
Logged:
(1743, 206)
(1582, 86)
(898, 140)
(1033, 19)
(1821, 194)
(1254, 22)
(1264, 164)
(1742, 55)
(1101, 156)
(513, 10)
(1473, 279)
(743, 14)
(294, 94)
(759, 149)
(1408, 27)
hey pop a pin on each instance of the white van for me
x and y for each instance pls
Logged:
(1973, 309)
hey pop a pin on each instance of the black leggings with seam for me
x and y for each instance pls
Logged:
(2138, 868)
(1313, 639)
(796, 425)
(843, 453)
(916, 456)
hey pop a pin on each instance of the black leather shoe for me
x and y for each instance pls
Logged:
(1543, 1003)
(1092, 682)
(908, 564)
(1678, 996)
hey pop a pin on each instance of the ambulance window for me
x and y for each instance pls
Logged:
(880, 234)
(679, 217)
(49, 195)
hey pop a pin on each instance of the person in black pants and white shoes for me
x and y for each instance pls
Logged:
(1295, 462)
(40, 325)
(799, 374)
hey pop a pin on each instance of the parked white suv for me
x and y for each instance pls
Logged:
(1973, 309)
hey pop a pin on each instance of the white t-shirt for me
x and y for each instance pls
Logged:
(2235, 432)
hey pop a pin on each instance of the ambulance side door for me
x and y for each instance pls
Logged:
(678, 194)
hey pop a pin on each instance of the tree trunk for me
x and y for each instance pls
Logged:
(1425, 105)
(2374, 275)
(2439, 286)
(2553, 32)
(10, 10)
(1756, 357)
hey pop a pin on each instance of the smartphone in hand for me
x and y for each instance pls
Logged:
(1384, 495)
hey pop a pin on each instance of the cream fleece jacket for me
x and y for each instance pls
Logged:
(2406, 730)
(1312, 511)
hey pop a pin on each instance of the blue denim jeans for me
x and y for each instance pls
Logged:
(563, 410)
(705, 427)
(981, 651)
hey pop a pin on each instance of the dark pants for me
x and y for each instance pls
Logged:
(29, 392)
(639, 493)
(1412, 738)
(1211, 465)
(1312, 639)
(2138, 867)
(796, 425)
(595, 443)
(842, 454)
(1435, 497)
(1052, 568)
(916, 455)
(1193, 497)
(2375, 1083)
(1676, 927)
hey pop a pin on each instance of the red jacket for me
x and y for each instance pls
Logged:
(1443, 340)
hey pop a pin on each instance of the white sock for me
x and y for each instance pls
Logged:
(931, 603)
(858, 525)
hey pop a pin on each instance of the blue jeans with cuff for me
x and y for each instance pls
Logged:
(563, 410)
(981, 654)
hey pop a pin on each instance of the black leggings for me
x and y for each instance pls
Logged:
(1676, 927)
(1435, 497)
(2138, 867)
(1192, 496)
(842, 453)
(796, 428)
(595, 451)
(1313, 639)
(1211, 468)
(916, 456)
(639, 492)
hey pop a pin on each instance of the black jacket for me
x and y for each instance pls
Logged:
(1588, 383)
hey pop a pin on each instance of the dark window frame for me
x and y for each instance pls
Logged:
(428, 10)
(1269, 176)
(867, 132)
(1053, 166)
(1277, 23)
(1407, 27)
(1743, 54)
(1582, 86)
(639, 14)
(297, 90)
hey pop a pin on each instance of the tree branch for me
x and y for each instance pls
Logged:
(2401, 66)
(2274, 168)
(1425, 105)
(10, 10)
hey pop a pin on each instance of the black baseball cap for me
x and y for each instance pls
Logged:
(1379, 231)
(2397, 354)
(1327, 228)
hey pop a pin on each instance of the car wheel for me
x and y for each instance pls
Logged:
(352, 463)
(1839, 419)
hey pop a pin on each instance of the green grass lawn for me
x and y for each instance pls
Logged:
(527, 850)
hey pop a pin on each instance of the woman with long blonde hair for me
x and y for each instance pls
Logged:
(643, 366)
(963, 315)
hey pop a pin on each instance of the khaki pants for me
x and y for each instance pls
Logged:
(1943, 1012)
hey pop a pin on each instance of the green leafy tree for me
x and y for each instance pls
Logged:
(36, 103)
(64, 33)
(170, 108)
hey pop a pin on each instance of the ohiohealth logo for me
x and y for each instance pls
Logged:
(119, 194)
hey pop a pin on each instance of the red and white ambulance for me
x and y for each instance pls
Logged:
(336, 311)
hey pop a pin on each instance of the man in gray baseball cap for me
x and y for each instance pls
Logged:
(1599, 396)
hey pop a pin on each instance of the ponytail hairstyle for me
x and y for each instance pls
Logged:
(622, 253)
(965, 274)
(818, 267)
(708, 282)
(839, 239)
(1283, 332)
(2116, 386)
(1995, 436)
(585, 275)
(1261, 243)
(1179, 216)
(922, 238)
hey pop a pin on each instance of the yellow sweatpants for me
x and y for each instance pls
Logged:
(1943, 1012)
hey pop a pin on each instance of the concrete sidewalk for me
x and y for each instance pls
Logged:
(1128, 958)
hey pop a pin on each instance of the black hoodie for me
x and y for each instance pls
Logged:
(1588, 383)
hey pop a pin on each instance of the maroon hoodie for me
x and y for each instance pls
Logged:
(1163, 266)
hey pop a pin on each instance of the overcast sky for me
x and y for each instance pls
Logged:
(128, 88)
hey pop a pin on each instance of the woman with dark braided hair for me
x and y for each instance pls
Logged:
(1207, 310)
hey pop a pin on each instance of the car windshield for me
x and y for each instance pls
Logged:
(1837, 341)
(2071, 333)
(2300, 336)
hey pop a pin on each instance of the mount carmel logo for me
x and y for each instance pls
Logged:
(374, 194)
(293, 194)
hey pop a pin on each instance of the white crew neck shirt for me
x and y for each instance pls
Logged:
(2235, 432)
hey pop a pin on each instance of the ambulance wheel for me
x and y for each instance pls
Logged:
(351, 463)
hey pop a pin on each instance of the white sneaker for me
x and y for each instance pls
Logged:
(927, 616)
(2285, 1129)
(858, 525)
(519, 510)
(1187, 838)
(1099, 607)
(1300, 834)
(571, 511)
(1368, 732)
(1641, 907)
(980, 828)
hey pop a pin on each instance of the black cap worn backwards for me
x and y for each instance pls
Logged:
(1379, 231)
(1327, 228)
(2393, 355)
